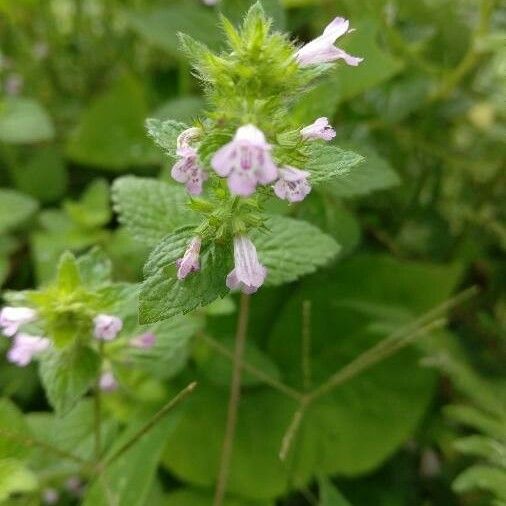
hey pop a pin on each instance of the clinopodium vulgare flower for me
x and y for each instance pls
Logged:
(11, 318)
(107, 326)
(320, 129)
(292, 185)
(25, 347)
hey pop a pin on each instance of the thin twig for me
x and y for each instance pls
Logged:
(148, 425)
(233, 404)
(292, 431)
(258, 373)
(29, 442)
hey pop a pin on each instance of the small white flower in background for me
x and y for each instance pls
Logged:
(210, 2)
(25, 347)
(322, 49)
(144, 341)
(292, 185)
(108, 382)
(320, 129)
(50, 496)
(11, 318)
(245, 161)
(107, 326)
(248, 274)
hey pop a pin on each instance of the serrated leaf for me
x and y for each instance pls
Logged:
(67, 375)
(150, 209)
(15, 478)
(165, 133)
(92, 210)
(180, 109)
(327, 162)
(15, 209)
(236, 9)
(95, 267)
(163, 295)
(491, 479)
(24, 121)
(292, 248)
(374, 174)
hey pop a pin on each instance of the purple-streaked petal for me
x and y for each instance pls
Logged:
(190, 261)
(107, 327)
(224, 159)
(241, 184)
(179, 171)
(248, 269)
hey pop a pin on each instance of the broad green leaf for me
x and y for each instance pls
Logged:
(24, 121)
(129, 478)
(15, 478)
(92, 210)
(12, 421)
(189, 497)
(327, 163)
(482, 477)
(110, 134)
(292, 249)
(160, 26)
(374, 174)
(183, 109)
(236, 9)
(345, 82)
(171, 349)
(68, 277)
(165, 133)
(329, 495)
(150, 209)
(15, 209)
(67, 375)
(164, 296)
(43, 176)
(95, 268)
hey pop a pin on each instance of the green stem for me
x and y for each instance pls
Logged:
(97, 408)
(233, 404)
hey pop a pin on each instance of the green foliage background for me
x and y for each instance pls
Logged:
(419, 220)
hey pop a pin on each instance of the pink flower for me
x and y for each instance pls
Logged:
(185, 138)
(292, 184)
(248, 274)
(108, 382)
(25, 347)
(322, 49)
(11, 318)
(188, 170)
(190, 261)
(107, 326)
(50, 496)
(246, 161)
(145, 341)
(320, 129)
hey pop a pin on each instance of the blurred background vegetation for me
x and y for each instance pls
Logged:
(425, 215)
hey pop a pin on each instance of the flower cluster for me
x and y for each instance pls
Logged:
(250, 160)
(26, 346)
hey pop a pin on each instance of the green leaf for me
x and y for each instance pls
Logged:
(171, 350)
(95, 267)
(327, 162)
(24, 121)
(292, 249)
(150, 209)
(15, 209)
(67, 375)
(165, 133)
(160, 26)
(15, 478)
(189, 497)
(164, 296)
(128, 480)
(482, 477)
(110, 134)
(68, 277)
(12, 421)
(92, 210)
(374, 174)
(329, 495)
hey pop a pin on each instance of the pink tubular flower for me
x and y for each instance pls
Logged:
(144, 341)
(248, 274)
(108, 382)
(322, 49)
(292, 184)
(107, 326)
(188, 170)
(11, 318)
(190, 260)
(320, 129)
(246, 161)
(25, 347)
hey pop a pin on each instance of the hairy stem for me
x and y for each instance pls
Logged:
(233, 404)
